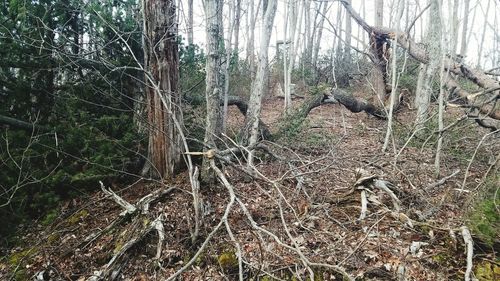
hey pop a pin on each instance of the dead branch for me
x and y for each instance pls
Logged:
(442, 180)
(469, 245)
(129, 208)
(357, 105)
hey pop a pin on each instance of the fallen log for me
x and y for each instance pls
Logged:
(452, 64)
(358, 105)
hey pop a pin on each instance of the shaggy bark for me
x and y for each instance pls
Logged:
(161, 61)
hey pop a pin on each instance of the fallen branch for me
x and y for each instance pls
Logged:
(357, 105)
(469, 245)
(442, 180)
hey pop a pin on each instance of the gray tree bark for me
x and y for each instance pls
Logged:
(428, 72)
(213, 91)
(251, 132)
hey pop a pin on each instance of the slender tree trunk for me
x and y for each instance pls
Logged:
(424, 88)
(161, 61)
(480, 50)
(443, 76)
(213, 17)
(227, 64)
(454, 28)
(190, 23)
(348, 31)
(251, 132)
(471, 24)
(378, 49)
(290, 51)
(237, 23)
(319, 34)
(398, 16)
(250, 43)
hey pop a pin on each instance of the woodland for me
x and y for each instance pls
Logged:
(249, 140)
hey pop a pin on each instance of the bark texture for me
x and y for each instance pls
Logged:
(213, 17)
(161, 61)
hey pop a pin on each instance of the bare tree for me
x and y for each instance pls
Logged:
(251, 132)
(213, 17)
(161, 61)
(319, 33)
(237, 23)
(428, 71)
(378, 49)
(480, 49)
(463, 44)
(190, 23)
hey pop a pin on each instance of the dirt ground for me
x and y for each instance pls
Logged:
(306, 203)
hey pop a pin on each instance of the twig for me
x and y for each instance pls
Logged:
(442, 180)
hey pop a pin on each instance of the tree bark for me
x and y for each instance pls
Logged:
(213, 17)
(161, 61)
(252, 119)
(428, 72)
(378, 48)
(190, 23)
(463, 44)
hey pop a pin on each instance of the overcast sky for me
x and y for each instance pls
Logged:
(477, 7)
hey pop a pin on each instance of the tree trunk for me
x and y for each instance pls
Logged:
(213, 17)
(237, 23)
(378, 49)
(252, 119)
(433, 40)
(319, 34)
(480, 50)
(190, 23)
(463, 44)
(161, 62)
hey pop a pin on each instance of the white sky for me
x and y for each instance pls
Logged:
(479, 7)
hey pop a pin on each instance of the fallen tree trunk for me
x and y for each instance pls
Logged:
(491, 86)
(357, 105)
(19, 124)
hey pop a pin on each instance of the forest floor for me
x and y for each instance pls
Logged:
(308, 203)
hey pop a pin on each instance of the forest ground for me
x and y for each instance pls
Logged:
(317, 202)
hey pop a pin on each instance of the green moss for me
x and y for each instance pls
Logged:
(15, 259)
(50, 217)
(75, 218)
(21, 275)
(484, 219)
(487, 271)
(228, 261)
(54, 237)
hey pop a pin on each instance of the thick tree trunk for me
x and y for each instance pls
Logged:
(213, 17)
(161, 61)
